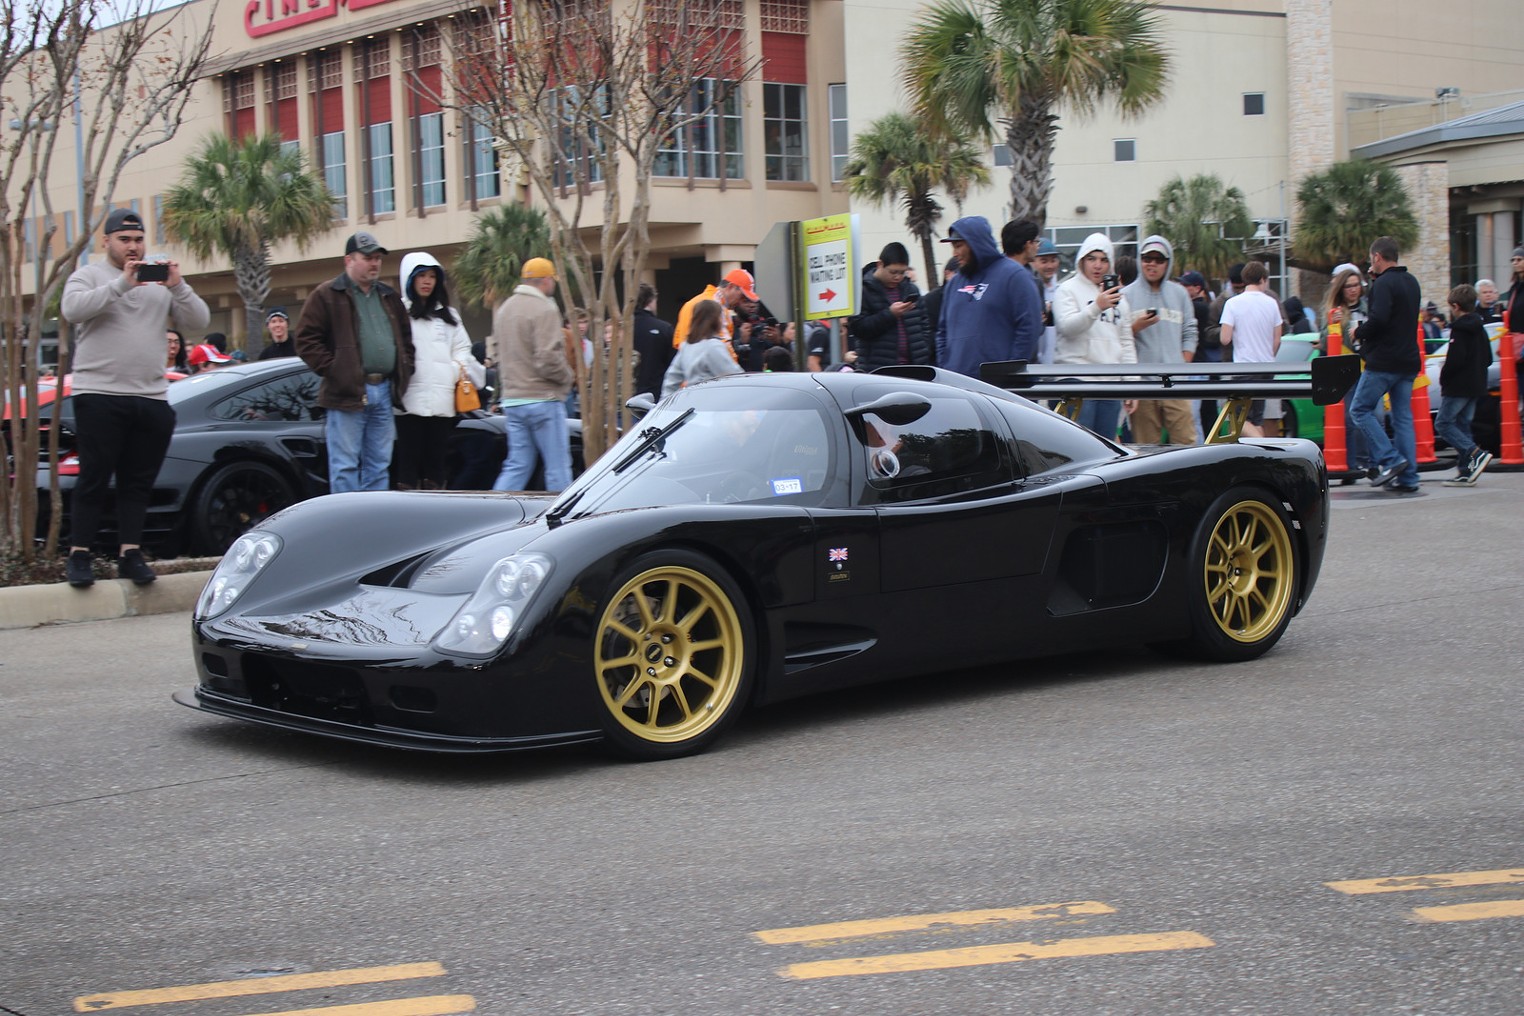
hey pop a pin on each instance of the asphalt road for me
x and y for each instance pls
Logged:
(1190, 816)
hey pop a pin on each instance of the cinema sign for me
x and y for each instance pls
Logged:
(266, 17)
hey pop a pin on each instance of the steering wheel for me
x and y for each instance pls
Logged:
(742, 487)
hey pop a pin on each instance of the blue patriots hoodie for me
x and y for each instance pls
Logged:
(990, 310)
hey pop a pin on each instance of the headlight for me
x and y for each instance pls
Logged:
(488, 618)
(245, 559)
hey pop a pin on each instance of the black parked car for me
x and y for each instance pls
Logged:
(754, 537)
(248, 442)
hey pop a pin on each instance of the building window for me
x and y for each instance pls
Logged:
(841, 137)
(792, 16)
(784, 128)
(699, 148)
(487, 180)
(334, 173)
(1124, 240)
(431, 158)
(69, 228)
(158, 218)
(382, 196)
(238, 103)
(1254, 104)
(1125, 150)
(581, 146)
(1002, 155)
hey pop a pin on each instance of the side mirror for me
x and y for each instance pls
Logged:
(640, 404)
(896, 409)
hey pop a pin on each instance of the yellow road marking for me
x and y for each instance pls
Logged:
(256, 986)
(432, 1005)
(1407, 883)
(1472, 911)
(920, 922)
(1010, 952)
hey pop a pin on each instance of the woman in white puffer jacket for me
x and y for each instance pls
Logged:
(441, 351)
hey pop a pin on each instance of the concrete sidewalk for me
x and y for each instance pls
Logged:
(29, 606)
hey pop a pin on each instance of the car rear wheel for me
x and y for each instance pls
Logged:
(1243, 579)
(673, 656)
(234, 499)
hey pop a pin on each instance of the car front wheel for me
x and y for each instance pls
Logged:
(234, 499)
(1243, 579)
(673, 657)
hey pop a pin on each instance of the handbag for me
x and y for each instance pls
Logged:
(466, 398)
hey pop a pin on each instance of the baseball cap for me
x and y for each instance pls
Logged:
(538, 268)
(1347, 267)
(206, 353)
(1193, 279)
(277, 312)
(1154, 246)
(123, 218)
(742, 278)
(952, 234)
(1046, 247)
(364, 243)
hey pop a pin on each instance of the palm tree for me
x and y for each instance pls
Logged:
(240, 198)
(1342, 210)
(1205, 222)
(501, 240)
(1021, 60)
(894, 158)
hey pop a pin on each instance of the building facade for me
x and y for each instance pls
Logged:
(1262, 92)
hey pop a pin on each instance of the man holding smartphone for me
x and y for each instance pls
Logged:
(123, 421)
(892, 327)
(1164, 331)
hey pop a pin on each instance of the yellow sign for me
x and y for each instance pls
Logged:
(828, 252)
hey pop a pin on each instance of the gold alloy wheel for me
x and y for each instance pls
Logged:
(670, 655)
(1248, 572)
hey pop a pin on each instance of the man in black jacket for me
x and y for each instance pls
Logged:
(653, 341)
(1388, 341)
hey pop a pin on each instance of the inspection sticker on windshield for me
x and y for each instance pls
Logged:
(789, 485)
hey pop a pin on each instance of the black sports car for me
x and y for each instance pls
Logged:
(248, 442)
(754, 538)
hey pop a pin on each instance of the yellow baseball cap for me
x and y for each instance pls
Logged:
(538, 268)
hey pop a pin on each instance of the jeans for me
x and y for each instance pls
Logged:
(360, 442)
(1101, 416)
(536, 429)
(1454, 425)
(124, 436)
(1362, 412)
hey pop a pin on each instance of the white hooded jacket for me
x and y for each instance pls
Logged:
(440, 351)
(1087, 334)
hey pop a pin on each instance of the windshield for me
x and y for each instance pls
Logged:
(778, 448)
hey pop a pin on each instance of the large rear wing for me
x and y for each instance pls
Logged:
(1323, 379)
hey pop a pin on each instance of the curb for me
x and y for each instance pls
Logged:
(29, 606)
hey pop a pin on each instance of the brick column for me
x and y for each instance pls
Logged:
(1428, 185)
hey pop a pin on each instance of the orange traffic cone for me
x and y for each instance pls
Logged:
(1423, 426)
(1335, 447)
(1509, 457)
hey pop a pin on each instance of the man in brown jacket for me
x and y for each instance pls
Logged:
(354, 334)
(535, 376)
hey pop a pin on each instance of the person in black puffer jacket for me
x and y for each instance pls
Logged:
(892, 327)
(1388, 341)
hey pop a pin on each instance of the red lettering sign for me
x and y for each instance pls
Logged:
(266, 17)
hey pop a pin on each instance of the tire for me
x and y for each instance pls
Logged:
(1243, 578)
(233, 500)
(673, 656)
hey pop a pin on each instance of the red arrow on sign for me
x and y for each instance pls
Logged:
(828, 295)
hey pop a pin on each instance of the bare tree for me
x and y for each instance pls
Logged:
(137, 74)
(582, 96)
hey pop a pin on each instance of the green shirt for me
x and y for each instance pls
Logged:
(378, 346)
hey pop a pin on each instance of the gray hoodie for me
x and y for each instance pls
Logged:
(119, 337)
(1174, 332)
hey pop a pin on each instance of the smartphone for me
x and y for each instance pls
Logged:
(912, 299)
(1153, 312)
(153, 273)
(1110, 281)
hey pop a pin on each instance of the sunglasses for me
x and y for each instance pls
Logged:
(1154, 259)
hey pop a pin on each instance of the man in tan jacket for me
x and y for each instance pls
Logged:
(534, 376)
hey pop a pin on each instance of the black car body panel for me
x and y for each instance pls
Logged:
(1000, 530)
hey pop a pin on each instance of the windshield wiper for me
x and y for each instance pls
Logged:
(651, 437)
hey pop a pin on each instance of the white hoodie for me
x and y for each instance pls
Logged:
(440, 351)
(1087, 334)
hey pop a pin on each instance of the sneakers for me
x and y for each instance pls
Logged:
(1386, 474)
(80, 569)
(1473, 472)
(132, 566)
(1459, 481)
